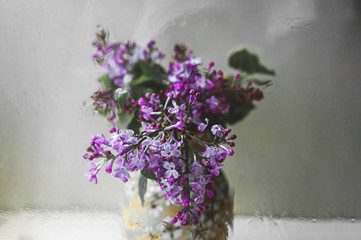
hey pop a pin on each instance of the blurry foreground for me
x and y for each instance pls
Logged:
(91, 224)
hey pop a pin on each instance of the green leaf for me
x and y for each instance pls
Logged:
(248, 62)
(106, 82)
(142, 188)
(143, 68)
(141, 80)
(122, 116)
(134, 123)
(149, 174)
(146, 74)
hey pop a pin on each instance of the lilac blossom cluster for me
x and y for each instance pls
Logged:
(183, 173)
(118, 58)
(182, 144)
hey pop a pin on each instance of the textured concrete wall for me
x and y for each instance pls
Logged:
(298, 153)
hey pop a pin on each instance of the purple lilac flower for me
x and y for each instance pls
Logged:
(171, 192)
(176, 108)
(147, 112)
(175, 70)
(200, 188)
(121, 140)
(138, 161)
(114, 67)
(158, 55)
(93, 171)
(128, 136)
(193, 61)
(109, 168)
(122, 173)
(142, 101)
(139, 54)
(203, 83)
(153, 162)
(99, 140)
(170, 170)
(213, 103)
(183, 71)
(179, 125)
(213, 154)
(202, 126)
(215, 169)
(115, 141)
(230, 152)
(217, 130)
(98, 143)
(170, 151)
(149, 127)
(151, 142)
(197, 169)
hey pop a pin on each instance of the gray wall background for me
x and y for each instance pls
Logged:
(298, 153)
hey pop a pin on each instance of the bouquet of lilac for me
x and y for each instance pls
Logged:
(176, 119)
